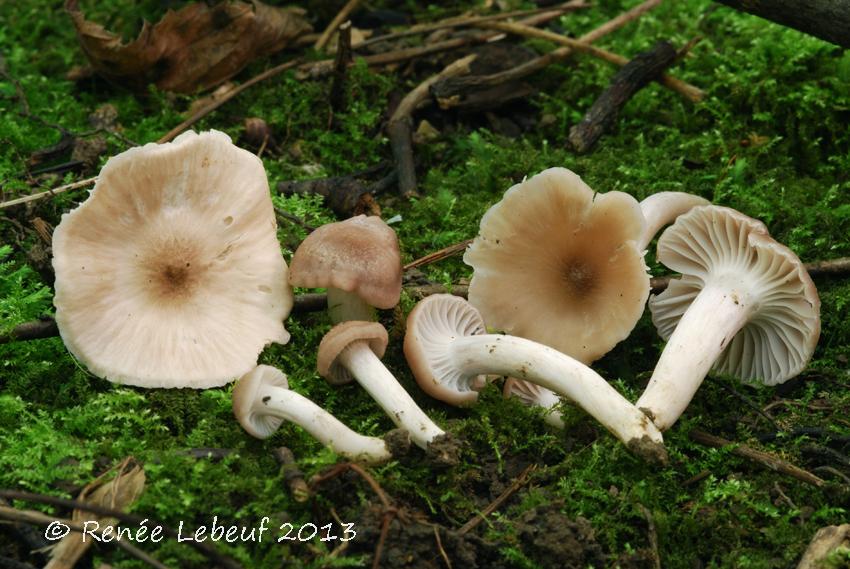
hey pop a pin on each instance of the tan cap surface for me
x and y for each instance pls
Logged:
(170, 274)
(558, 264)
(339, 338)
(780, 338)
(359, 255)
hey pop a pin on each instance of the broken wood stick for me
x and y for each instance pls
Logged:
(342, 16)
(765, 459)
(454, 89)
(345, 195)
(688, 91)
(825, 19)
(338, 97)
(400, 126)
(626, 82)
(292, 475)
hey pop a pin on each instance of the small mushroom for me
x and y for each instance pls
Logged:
(170, 273)
(352, 351)
(533, 395)
(663, 208)
(744, 305)
(357, 260)
(262, 400)
(447, 349)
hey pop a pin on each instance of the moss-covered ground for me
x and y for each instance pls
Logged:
(771, 139)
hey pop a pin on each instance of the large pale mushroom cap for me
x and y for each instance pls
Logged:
(712, 242)
(170, 274)
(359, 255)
(558, 264)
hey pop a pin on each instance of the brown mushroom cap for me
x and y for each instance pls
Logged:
(712, 241)
(339, 338)
(170, 274)
(556, 263)
(432, 324)
(244, 397)
(359, 255)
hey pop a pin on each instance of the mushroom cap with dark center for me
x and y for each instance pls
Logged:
(170, 274)
(556, 263)
(341, 337)
(359, 255)
(710, 243)
(431, 326)
(250, 415)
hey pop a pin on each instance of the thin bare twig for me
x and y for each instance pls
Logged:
(443, 253)
(765, 459)
(653, 535)
(518, 483)
(440, 548)
(545, 60)
(389, 511)
(338, 97)
(342, 16)
(690, 92)
(400, 126)
(462, 21)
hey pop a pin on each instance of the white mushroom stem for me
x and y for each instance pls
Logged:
(528, 360)
(344, 306)
(663, 208)
(717, 313)
(362, 363)
(286, 404)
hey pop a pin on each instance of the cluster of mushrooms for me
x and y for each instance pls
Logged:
(171, 275)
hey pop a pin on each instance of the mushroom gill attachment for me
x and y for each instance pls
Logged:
(170, 273)
(556, 263)
(744, 305)
(431, 327)
(358, 260)
(341, 337)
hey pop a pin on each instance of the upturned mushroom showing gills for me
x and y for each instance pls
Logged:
(555, 263)
(447, 349)
(352, 351)
(357, 260)
(744, 305)
(170, 273)
(262, 400)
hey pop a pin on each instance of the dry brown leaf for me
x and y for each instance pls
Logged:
(192, 49)
(117, 493)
